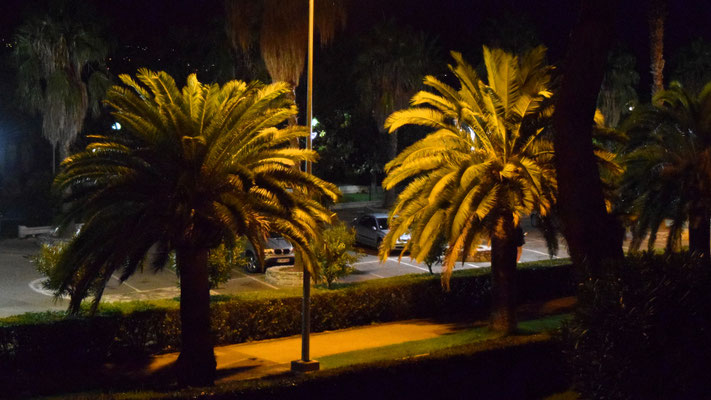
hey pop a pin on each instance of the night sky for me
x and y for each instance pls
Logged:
(458, 24)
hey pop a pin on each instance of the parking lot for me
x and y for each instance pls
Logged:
(21, 289)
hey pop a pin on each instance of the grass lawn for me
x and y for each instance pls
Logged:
(425, 347)
(351, 197)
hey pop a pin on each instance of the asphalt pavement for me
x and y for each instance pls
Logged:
(21, 285)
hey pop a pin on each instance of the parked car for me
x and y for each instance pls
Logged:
(277, 251)
(371, 228)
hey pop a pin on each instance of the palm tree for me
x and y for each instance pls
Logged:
(389, 71)
(281, 29)
(483, 167)
(669, 167)
(193, 168)
(60, 75)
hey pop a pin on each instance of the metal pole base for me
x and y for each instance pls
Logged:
(302, 367)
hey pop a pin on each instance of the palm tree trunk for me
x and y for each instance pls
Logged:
(657, 14)
(503, 276)
(196, 363)
(293, 120)
(592, 235)
(700, 233)
(389, 196)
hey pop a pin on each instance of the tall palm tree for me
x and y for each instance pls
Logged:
(60, 75)
(484, 166)
(280, 27)
(193, 168)
(389, 71)
(669, 167)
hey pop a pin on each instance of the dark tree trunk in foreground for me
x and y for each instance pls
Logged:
(592, 235)
(503, 276)
(196, 363)
(700, 233)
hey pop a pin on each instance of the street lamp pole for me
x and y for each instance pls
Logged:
(305, 364)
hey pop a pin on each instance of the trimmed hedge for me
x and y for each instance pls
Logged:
(115, 335)
(641, 330)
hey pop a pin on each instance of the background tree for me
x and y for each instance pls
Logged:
(617, 93)
(61, 73)
(282, 32)
(592, 235)
(485, 165)
(389, 70)
(692, 66)
(669, 168)
(191, 169)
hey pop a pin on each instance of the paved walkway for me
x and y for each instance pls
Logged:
(272, 357)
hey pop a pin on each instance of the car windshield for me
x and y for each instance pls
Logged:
(383, 224)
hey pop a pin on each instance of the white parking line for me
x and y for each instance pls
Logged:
(126, 283)
(474, 265)
(38, 286)
(539, 252)
(257, 280)
(366, 262)
(374, 274)
(408, 264)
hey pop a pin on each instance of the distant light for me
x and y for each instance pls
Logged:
(314, 122)
(116, 126)
(631, 108)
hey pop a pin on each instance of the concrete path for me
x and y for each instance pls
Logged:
(273, 357)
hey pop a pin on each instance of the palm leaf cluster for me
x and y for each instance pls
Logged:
(485, 158)
(60, 74)
(668, 173)
(281, 29)
(193, 168)
(608, 148)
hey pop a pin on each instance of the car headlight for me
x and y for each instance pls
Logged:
(268, 251)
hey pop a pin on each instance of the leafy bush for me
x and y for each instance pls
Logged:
(222, 259)
(47, 259)
(46, 343)
(336, 252)
(641, 330)
(436, 254)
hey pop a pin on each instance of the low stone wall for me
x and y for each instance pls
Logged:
(353, 189)
(284, 276)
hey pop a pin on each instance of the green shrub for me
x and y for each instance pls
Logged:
(436, 254)
(336, 252)
(220, 262)
(641, 330)
(46, 260)
(222, 259)
(33, 343)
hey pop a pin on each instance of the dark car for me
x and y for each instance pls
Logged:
(371, 228)
(277, 251)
